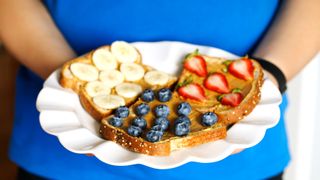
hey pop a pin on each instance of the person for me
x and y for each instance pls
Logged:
(42, 35)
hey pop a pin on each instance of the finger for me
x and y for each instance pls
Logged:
(237, 151)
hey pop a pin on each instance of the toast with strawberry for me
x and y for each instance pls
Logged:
(229, 88)
(109, 77)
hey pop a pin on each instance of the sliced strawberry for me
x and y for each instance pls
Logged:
(217, 82)
(192, 91)
(242, 68)
(231, 99)
(196, 64)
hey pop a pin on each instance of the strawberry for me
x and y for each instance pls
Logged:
(192, 91)
(231, 99)
(217, 82)
(242, 68)
(196, 64)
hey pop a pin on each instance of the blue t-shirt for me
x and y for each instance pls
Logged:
(231, 25)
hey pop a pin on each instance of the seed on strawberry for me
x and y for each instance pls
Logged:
(231, 99)
(192, 91)
(217, 82)
(242, 68)
(195, 63)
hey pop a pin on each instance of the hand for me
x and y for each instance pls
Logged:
(237, 151)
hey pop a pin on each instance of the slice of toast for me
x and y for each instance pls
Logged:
(101, 70)
(199, 134)
(226, 82)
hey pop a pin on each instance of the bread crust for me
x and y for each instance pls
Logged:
(161, 148)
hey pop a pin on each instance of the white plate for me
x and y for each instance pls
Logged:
(62, 115)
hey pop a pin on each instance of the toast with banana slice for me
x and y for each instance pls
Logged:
(109, 77)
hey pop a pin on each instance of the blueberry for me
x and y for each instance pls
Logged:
(134, 131)
(142, 109)
(122, 112)
(140, 122)
(147, 95)
(163, 122)
(182, 128)
(164, 95)
(157, 128)
(184, 108)
(208, 119)
(154, 136)
(161, 110)
(181, 119)
(115, 121)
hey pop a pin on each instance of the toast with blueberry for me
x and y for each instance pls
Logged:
(109, 77)
(229, 88)
(161, 122)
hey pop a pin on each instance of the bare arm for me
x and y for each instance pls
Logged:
(29, 33)
(294, 37)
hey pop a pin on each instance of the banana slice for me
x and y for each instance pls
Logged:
(111, 78)
(97, 88)
(124, 52)
(103, 59)
(109, 101)
(132, 71)
(156, 78)
(85, 72)
(128, 90)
